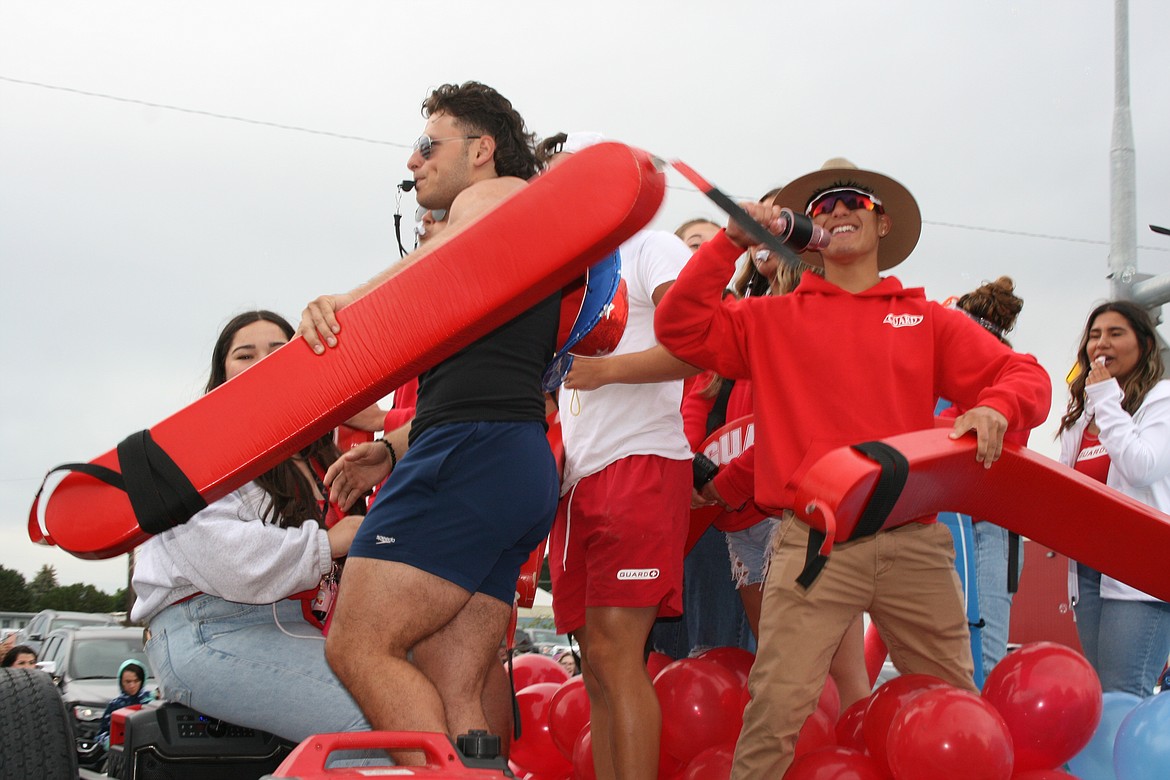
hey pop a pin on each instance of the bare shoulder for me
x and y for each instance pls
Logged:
(483, 195)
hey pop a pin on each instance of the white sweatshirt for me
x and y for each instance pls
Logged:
(1139, 455)
(227, 551)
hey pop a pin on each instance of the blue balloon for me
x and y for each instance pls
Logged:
(1142, 749)
(1095, 761)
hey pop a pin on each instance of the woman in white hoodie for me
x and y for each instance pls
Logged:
(1117, 430)
(223, 594)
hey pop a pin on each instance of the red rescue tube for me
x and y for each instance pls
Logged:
(533, 243)
(722, 445)
(1023, 491)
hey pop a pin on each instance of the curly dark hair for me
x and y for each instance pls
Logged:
(1141, 380)
(995, 306)
(550, 147)
(479, 109)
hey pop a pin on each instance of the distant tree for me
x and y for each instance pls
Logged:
(120, 601)
(77, 598)
(41, 586)
(14, 595)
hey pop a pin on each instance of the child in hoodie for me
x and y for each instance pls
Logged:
(132, 684)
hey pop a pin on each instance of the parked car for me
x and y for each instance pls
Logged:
(83, 662)
(48, 620)
(548, 642)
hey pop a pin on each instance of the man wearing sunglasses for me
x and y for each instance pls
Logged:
(849, 358)
(432, 571)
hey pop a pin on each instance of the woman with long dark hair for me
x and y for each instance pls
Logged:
(225, 594)
(1117, 430)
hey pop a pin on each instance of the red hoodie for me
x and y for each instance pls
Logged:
(831, 368)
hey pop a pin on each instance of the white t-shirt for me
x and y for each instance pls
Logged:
(613, 422)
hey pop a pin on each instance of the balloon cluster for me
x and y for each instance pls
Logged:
(702, 701)
(1041, 712)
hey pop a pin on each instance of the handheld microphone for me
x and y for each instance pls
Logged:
(800, 234)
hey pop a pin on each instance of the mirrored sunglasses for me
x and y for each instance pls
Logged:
(425, 145)
(853, 199)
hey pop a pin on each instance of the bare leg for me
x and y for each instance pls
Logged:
(497, 705)
(848, 666)
(459, 657)
(626, 721)
(372, 632)
(752, 596)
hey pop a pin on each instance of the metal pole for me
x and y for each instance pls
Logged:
(1123, 219)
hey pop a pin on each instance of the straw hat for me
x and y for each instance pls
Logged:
(898, 203)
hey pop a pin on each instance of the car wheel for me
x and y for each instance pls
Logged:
(36, 738)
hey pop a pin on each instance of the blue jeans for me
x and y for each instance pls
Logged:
(713, 614)
(750, 551)
(995, 603)
(260, 666)
(1126, 641)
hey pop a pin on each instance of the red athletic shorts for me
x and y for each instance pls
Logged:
(618, 539)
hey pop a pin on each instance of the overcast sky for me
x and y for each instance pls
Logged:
(129, 234)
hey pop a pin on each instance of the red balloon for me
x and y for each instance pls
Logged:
(583, 757)
(736, 659)
(532, 668)
(714, 763)
(834, 763)
(952, 734)
(884, 705)
(816, 733)
(656, 662)
(669, 767)
(1050, 698)
(700, 703)
(849, 726)
(830, 700)
(1043, 774)
(568, 714)
(534, 750)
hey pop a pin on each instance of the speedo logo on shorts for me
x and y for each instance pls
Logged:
(637, 574)
(902, 320)
(379, 539)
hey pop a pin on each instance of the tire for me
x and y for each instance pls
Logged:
(36, 737)
(115, 763)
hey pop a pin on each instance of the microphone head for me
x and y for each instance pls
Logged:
(819, 240)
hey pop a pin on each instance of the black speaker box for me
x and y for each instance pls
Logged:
(173, 742)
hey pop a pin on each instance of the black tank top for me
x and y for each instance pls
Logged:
(494, 379)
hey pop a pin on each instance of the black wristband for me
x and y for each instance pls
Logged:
(704, 470)
(393, 455)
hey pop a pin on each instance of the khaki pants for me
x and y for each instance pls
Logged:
(905, 578)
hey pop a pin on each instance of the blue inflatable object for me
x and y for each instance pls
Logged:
(1142, 748)
(1095, 761)
(601, 284)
